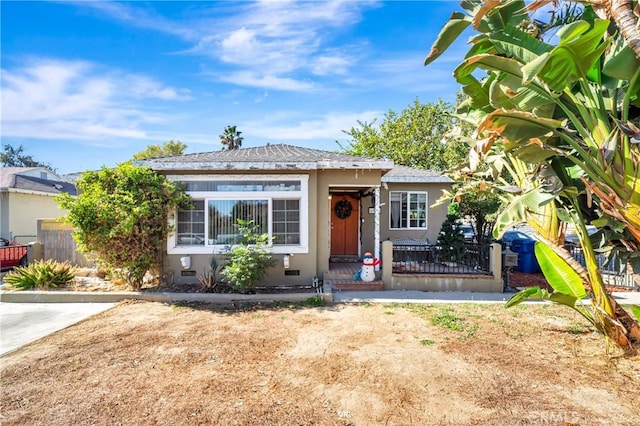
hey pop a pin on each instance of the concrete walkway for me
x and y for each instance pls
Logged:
(22, 323)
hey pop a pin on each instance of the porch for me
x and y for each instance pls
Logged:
(415, 265)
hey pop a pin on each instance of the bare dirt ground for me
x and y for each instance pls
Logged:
(466, 364)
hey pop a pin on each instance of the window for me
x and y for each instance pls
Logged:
(224, 214)
(274, 204)
(286, 222)
(190, 224)
(408, 210)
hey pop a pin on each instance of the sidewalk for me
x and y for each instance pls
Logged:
(411, 296)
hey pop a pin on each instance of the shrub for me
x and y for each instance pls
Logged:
(248, 260)
(209, 278)
(121, 215)
(41, 274)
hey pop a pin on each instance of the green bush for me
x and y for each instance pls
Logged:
(120, 215)
(41, 274)
(248, 260)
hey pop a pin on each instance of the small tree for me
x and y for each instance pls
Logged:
(483, 208)
(451, 239)
(249, 259)
(121, 215)
(166, 149)
(15, 157)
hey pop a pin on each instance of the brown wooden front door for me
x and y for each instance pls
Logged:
(345, 218)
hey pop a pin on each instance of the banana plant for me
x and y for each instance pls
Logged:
(558, 115)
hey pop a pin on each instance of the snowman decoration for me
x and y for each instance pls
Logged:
(368, 273)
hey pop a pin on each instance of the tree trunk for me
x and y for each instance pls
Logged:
(630, 328)
(626, 19)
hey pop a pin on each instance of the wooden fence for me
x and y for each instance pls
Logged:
(58, 244)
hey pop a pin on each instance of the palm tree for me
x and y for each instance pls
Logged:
(231, 138)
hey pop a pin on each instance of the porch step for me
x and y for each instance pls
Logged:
(341, 275)
(351, 285)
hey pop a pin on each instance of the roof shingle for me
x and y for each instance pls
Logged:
(269, 157)
(13, 178)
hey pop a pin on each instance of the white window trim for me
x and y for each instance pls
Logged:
(302, 195)
(426, 193)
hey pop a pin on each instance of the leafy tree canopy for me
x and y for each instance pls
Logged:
(420, 137)
(15, 157)
(165, 150)
(121, 216)
(411, 138)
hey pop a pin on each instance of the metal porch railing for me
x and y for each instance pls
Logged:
(415, 257)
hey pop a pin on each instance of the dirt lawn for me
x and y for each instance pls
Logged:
(466, 364)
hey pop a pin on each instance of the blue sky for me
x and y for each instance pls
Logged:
(86, 84)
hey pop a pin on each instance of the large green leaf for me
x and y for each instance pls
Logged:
(456, 24)
(505, 13)
(541, 294)
(580, 46)
(508, 92)
(636, 311)
(489, 62)
(558, 273)
(532, 153)
(477, 92)
(620, 62)
(515, 210)
(518, 127)
(515, 43)
(538, 293)
(524, 295)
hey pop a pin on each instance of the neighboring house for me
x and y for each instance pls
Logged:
(26, 195)
(317, 206)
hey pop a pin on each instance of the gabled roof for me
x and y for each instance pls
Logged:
(269, 157)
(404, 174)
(22, 179)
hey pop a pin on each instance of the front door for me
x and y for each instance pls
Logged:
(345, 218)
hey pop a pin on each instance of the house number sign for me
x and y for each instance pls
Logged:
(343, 209)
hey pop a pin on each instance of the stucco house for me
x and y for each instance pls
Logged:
(318, 206)
(26, 195)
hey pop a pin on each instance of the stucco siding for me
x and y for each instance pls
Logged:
(23, 212)
(435, 215)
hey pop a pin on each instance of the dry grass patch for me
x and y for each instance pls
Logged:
(149, 363)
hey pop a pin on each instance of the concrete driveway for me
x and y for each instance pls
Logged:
(22, 323)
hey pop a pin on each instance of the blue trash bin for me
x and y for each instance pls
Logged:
(527, 261)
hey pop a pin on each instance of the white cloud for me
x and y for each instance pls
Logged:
(253, 79)
(285, 37)
(272, 42)
(145, 87)
(330, 64)
(77, 100)
(138, 17)
(288, 126)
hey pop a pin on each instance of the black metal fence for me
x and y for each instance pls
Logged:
(611, 272)
(421, 258)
